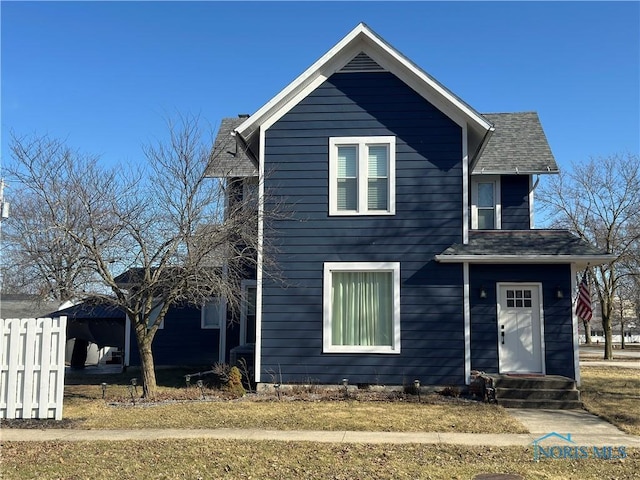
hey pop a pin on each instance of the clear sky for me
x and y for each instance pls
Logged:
(105, 75)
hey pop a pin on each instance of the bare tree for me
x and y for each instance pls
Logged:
(599, 200)
(142, 240)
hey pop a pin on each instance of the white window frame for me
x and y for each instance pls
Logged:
(221, 313)
(329, 268)
(497, 207)
(362, 143)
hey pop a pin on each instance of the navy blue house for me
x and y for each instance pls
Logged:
(402, 245)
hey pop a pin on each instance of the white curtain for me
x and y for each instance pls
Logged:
(362, 308)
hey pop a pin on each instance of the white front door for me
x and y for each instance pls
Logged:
(520, 345)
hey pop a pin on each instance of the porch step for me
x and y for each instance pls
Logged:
(551, 392)
(546, 404)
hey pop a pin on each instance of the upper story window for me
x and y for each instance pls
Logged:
(362, 175)
(485, 208)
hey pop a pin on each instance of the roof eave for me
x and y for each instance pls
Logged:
(516, 171)
(528, 259)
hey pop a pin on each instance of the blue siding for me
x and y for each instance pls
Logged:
(514, 193)
(181, 341)
(558, 333)
(428, 220)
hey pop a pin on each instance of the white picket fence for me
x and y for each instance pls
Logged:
(32, 367)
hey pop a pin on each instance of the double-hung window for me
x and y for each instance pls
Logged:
(361, 307)
(486, 204)
(362, 175)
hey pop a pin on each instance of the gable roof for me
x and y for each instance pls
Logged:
(524, 246)
(229, 157)
(518, 145)
(362, 40)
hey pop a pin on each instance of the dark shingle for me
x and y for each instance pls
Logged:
(522, 243)
(228, 157)
(518, 145)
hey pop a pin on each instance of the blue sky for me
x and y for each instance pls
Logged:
(106, 75)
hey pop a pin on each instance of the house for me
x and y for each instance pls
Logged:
(189, 335)
(404, 246)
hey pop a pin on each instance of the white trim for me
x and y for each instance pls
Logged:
(244, 287)
(362, 39)
(578, 259)
(222, 309)
(497, 205)
(222, 338)
(537, 285)
(127, 341)
(466, 308)
(574, 324)
(465, 187)
(329, 268)
(362, 143)
(531, 207)
(258, 355)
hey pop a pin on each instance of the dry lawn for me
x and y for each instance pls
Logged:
(84, 408)
(224, 459)
(613, 393)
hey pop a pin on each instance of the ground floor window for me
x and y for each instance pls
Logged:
(362, 307)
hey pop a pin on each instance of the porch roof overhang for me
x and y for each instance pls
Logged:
(524, 247)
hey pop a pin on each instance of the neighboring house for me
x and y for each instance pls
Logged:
(188, 335)
(404, 246)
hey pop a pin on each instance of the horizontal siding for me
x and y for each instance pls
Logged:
(428, 220)
(181, 341)
(514, 193)
(558, 330)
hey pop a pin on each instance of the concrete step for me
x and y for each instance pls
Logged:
(546, 404)
(537, 394)
(548, 382)
(523, 391)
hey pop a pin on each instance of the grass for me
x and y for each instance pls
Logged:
(609, 392)
(224, 459)
(613, 393)
(84, 408)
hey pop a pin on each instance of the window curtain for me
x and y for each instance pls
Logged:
(362, 308)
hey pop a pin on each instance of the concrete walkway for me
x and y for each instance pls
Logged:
(585, 429)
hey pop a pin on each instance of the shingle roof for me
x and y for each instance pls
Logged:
(517, 143)
(92, 310)
(228, 157)
(522, 246)
(25, 306)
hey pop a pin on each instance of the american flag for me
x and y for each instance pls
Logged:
(583, 307)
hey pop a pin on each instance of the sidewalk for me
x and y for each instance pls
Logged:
(585, 429)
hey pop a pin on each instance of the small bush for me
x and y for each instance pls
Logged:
(233, 384)
(450, 391)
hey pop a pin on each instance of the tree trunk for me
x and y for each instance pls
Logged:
(608, 337)
(621, 335)
(147, 367)
(587, 332)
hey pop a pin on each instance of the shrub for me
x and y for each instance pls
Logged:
(233, 384)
